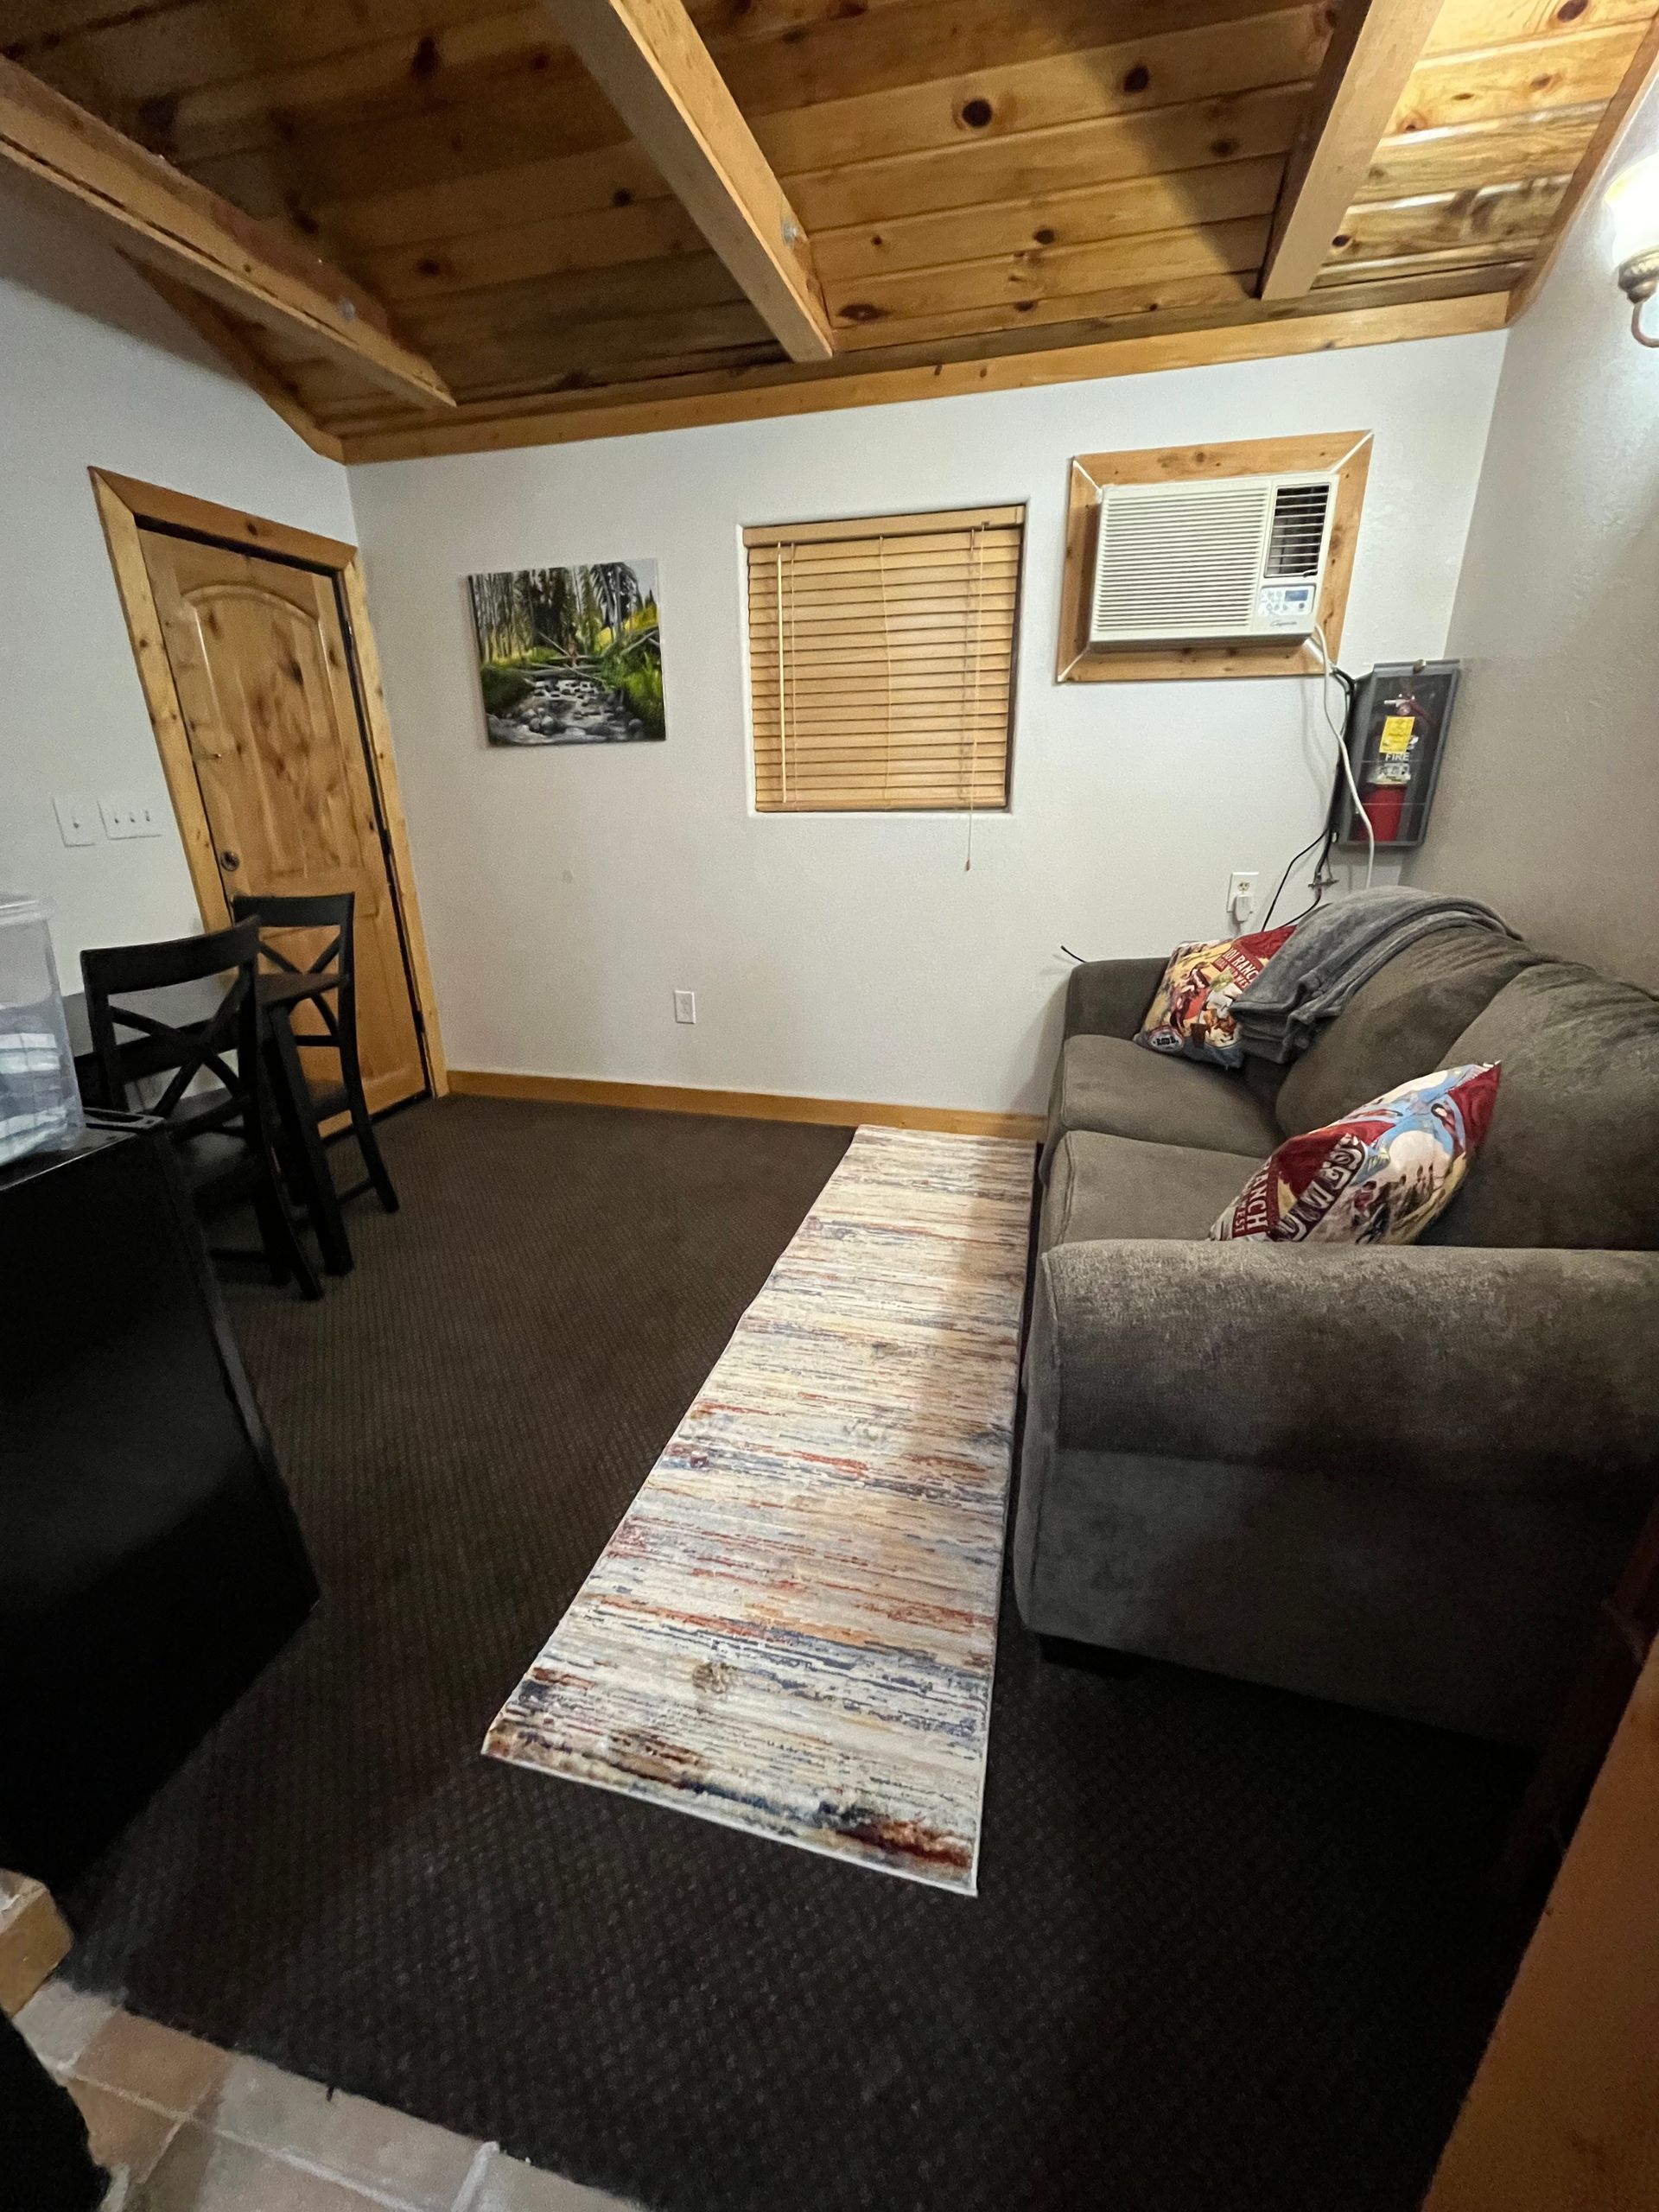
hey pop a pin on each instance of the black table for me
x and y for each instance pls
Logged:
(150, 1563)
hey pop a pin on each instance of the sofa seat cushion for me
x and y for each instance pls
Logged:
(1107, 1186)
(1404, 1022)
(1570, 1159)
(1121, 1090)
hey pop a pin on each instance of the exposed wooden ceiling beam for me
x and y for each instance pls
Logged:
(1374, 49)
(657, 74)
(160, 218)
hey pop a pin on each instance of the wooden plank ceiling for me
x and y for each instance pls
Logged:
(975, 177)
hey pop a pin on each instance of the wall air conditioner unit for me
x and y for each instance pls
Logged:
(1196, 562)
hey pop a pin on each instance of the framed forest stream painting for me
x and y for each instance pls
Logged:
(569, 655)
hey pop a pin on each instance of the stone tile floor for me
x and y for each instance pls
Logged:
(205, 2130)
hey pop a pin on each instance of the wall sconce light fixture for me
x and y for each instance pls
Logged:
(1633, 198)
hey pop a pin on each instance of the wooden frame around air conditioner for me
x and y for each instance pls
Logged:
(1346, 452)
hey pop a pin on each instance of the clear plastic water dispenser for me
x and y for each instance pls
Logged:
(39, 1102)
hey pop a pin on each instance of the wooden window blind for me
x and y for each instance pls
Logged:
(881, 661)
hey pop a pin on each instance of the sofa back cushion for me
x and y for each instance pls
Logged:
(1570, 1157)
(1404, 1022)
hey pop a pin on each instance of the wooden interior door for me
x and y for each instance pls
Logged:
(258, 656)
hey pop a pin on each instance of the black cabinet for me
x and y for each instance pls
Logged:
(150, 1563)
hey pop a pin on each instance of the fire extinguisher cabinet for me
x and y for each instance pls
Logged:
(1396, 734)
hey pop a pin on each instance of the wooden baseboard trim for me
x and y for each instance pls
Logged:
(33, 1941)
(743, 1105)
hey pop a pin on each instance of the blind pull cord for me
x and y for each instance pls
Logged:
(886, 648)
(783, 740)
(973, 704)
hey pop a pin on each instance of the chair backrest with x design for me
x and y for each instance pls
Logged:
(220, 1041)
(331, 912)
(313, 1008)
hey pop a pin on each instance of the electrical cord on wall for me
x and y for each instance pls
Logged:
(1338, 728)
(1322, 878)
(1317, 885)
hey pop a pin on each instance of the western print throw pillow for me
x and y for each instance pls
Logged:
(1377, 1176)
(1192, 1009)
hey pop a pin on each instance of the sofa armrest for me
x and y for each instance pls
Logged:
(1472, 1366)
(1107, 998)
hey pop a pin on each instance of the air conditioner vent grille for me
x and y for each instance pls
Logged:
(1296, 540)
(1184, 559)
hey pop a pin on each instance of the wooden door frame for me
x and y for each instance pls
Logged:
(124, 505)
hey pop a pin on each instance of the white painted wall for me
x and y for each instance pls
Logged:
(1549, 802)
(94, 369)
(567, 891)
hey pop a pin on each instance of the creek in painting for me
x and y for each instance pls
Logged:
(569, 655)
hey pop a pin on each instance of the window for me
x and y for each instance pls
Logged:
(881, 661)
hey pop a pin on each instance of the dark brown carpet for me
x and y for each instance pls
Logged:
(1230, 1953)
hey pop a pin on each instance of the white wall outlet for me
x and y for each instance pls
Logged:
(76, 819)
(1240, 894)
(685, 1006)
(127, 814)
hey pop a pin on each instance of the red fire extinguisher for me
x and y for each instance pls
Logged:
(1390, 774)
(1384, 804)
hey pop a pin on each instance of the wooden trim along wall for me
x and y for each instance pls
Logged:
(155, 503)
(361, 636)
(1347, 452)
(745, 396)
(743, 1105)
(124, 504)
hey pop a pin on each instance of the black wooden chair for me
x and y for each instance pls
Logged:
(223, 1129)
(330, 973)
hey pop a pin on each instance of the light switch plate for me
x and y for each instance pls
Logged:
(685, 1006)
(76, 819)
(129, 814)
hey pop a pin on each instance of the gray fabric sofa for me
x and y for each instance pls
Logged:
(1401, 1478)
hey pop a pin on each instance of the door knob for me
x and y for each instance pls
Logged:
(229, 860)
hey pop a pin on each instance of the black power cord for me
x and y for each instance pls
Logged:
(1323, 840)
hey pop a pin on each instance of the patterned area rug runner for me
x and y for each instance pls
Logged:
(793, 1629)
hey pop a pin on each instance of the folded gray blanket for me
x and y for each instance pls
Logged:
(1336, 949)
